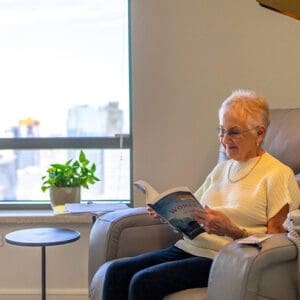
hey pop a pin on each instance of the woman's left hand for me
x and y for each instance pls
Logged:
(214, 221)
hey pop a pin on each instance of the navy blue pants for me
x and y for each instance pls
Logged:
(155, 274)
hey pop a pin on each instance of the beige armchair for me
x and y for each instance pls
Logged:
(239, 272)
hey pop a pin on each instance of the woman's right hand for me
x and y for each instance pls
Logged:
(152, 213)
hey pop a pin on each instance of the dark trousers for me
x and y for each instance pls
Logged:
(155, 275)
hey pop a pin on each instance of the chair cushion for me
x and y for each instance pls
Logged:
(189, 294)
(282, 140)
(298, 179)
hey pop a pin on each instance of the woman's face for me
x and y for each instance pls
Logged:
(238, 139)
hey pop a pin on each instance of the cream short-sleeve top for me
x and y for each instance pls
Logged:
(249, 199)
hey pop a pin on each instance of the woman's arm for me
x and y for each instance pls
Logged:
(218, 223)
(275, 223)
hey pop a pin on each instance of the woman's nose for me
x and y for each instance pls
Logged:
(225, 138)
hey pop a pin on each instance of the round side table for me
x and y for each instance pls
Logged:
(42, 237)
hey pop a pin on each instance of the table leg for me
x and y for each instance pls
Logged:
(43, 273)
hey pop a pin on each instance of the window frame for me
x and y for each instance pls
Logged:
(119, 141)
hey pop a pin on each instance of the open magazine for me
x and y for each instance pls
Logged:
(176, 206)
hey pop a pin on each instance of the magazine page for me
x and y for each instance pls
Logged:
(178, 208)
(147, 189)
(170, 191)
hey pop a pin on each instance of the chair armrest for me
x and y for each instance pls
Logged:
(126, 232)
(246, 272)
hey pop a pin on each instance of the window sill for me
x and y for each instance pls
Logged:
(43, 216)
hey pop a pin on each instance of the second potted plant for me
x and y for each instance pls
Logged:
(64, 181)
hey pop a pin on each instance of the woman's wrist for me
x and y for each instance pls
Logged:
(238, 233)
(245, 233)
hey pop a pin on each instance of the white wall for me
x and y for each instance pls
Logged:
(187, 57)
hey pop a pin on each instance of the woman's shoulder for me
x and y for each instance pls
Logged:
(274, 164)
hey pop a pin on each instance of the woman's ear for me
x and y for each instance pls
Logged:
(261, 130)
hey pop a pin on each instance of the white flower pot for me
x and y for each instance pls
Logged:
(63, 195)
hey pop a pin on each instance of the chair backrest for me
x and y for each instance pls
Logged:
(282, 139)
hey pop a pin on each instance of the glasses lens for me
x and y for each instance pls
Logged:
(232, 132)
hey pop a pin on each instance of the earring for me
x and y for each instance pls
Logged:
(257, 144)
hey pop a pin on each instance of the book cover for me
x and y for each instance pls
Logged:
(175, 206)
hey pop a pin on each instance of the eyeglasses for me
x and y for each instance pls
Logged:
(233, 132)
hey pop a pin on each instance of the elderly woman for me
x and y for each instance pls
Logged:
(251, 192)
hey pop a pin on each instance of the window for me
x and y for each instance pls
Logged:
(64, 87)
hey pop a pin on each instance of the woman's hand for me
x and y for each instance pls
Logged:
(216, 222)
(152, 213)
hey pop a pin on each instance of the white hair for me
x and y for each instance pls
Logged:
(247, 105)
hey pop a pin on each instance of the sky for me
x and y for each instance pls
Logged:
(56, 54)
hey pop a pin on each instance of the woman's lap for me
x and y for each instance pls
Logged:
(155, 274)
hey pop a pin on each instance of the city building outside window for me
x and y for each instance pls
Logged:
(65, 86)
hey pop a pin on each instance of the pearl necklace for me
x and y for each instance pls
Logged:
(239, 179)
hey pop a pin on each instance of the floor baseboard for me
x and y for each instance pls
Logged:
(35, 294)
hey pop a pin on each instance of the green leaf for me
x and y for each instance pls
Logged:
(70, 174)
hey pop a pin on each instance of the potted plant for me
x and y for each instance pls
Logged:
(64, 181)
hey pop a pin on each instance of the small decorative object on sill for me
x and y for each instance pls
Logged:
(64, 181)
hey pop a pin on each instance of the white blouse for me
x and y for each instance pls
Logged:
(249, 193)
